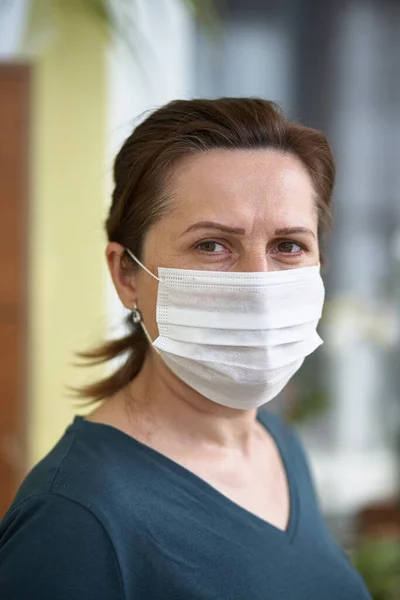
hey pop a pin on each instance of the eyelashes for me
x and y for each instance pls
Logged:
(208, 246)
(291, 243)
(218, 247)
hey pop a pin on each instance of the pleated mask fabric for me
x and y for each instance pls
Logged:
(238, 338)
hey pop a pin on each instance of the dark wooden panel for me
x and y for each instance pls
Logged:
(14, 176)
(13, 180)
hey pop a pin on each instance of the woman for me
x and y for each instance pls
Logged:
(174, 487)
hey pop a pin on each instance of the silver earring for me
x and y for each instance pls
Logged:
(136, 315)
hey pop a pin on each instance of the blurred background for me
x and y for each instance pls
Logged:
(75, 77)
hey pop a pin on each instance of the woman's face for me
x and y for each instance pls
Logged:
(234, 210)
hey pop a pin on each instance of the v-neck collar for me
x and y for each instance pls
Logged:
(288, 533)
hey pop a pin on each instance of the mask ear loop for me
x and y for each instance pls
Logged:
(137, 261)
(137, 318)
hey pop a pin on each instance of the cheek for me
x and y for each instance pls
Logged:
(147, 289)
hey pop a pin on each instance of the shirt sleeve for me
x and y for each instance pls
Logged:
(52, 548)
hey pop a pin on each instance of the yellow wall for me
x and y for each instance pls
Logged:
(67, 242)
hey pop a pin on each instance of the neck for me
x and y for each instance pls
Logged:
(161, 402)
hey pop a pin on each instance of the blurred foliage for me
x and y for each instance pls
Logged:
(378, 562)
(309, 405)
(306, 396)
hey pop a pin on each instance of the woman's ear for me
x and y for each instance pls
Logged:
(123, 278)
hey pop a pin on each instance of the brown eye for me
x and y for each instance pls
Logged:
(210, 247)
(289, 247)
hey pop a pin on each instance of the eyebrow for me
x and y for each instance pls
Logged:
(241, 231)
(293, 230)
(219, 226)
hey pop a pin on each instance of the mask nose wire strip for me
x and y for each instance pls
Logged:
(137, 261)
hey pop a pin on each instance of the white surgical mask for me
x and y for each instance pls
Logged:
(237, 338)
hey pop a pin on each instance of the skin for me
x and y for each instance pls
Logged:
(261, 193)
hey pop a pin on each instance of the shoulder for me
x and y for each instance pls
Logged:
(89, 466)
(104, 471)
(53, 547)
(77, 519)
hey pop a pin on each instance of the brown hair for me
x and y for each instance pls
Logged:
(147, 158)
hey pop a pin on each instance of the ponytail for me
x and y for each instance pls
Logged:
(134, 345)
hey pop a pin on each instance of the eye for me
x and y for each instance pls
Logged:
(211, 247)
(289, 247)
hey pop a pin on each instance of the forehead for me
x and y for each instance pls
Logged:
(257, 182)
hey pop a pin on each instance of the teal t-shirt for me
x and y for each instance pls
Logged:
(104, 517)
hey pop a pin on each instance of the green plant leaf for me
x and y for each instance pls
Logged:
(378, 562)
